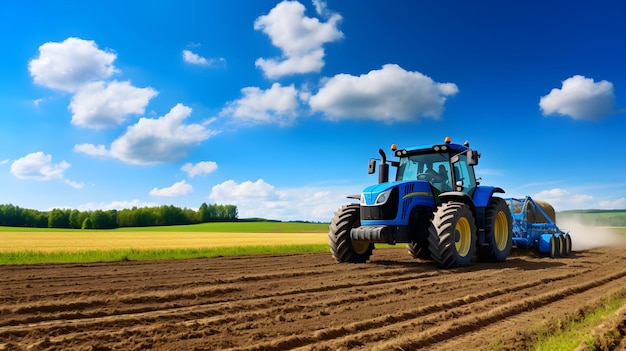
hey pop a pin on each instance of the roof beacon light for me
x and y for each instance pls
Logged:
(447, 140)
(466, 143)
(394, 147)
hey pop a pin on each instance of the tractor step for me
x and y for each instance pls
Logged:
(380, 234)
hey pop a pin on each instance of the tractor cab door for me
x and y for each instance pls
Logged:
(463, 176)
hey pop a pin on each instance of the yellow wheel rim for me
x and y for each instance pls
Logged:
(501, 231)
(360, 247)
(463, 241)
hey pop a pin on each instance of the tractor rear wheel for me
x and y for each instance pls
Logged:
(498, 232)
(341, 245)
(452, 235)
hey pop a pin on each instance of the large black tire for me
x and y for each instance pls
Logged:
(498, 232)
(421, 217)
(341, 245)
(452, 235)
(419, 250)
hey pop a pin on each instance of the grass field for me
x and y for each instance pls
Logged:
(43, 245)
(31, 245)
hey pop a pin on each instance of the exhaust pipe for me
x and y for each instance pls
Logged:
(383, 168)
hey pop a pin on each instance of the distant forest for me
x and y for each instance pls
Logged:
(16, 216)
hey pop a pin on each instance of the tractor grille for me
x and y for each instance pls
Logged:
(387, 211)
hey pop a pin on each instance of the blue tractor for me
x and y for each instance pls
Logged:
(435, 205)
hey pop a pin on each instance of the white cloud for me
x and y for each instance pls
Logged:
(562, 199)
(92, 150)
(277, 104)
(4, 162)
(300, 39)
(389, 94)
(39, 166)
(177, 189)
(165, 139)
(580, 98)
(79, 67)
(320, 7)
(200, 168)
(261, 199)
(99, 105)
(70, 64)
(194, 59)
(614, 204)
(74, 184)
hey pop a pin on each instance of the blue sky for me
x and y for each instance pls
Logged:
(276, 106)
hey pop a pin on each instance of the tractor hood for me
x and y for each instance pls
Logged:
(379, 193)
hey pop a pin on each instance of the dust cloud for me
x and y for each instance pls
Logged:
(588, 237)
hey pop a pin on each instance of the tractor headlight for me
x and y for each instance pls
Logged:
(383, 197)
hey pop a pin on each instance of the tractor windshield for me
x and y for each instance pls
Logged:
(434, 168)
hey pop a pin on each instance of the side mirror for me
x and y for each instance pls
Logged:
(371, 166)
(472, 157)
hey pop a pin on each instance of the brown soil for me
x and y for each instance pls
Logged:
(304, 302)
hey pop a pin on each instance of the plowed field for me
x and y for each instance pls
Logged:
(303, 301)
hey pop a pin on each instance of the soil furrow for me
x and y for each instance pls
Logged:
(280, 302)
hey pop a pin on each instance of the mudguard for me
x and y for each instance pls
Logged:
(483, 194)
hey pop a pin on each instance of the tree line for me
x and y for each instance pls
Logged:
(16, 216)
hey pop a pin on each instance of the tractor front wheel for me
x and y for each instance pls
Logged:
(341, 245)
(498, 232)
(452, 235)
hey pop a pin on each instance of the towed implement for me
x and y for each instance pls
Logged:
(440, 210)
(534, 225)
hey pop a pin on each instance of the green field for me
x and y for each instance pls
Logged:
(600, 218)
(42, 245)
(224, 227)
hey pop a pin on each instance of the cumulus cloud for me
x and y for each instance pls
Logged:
(79, 67)
(99, 105)
(613, 204)
(194, 59)
(562, 199)
(177, 189)
(70, 64)
(92, 150)
(580, 98)
(389, 94)
(165, 139)
(200, 168)
(277, 104)
(39, 166)
(300, 38)
(153, 141)
(261, 199)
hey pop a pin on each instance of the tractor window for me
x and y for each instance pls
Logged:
(464, 174)
(434, 168)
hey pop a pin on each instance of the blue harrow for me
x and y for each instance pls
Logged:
(545, 237)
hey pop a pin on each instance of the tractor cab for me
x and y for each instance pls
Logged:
(447, 167)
